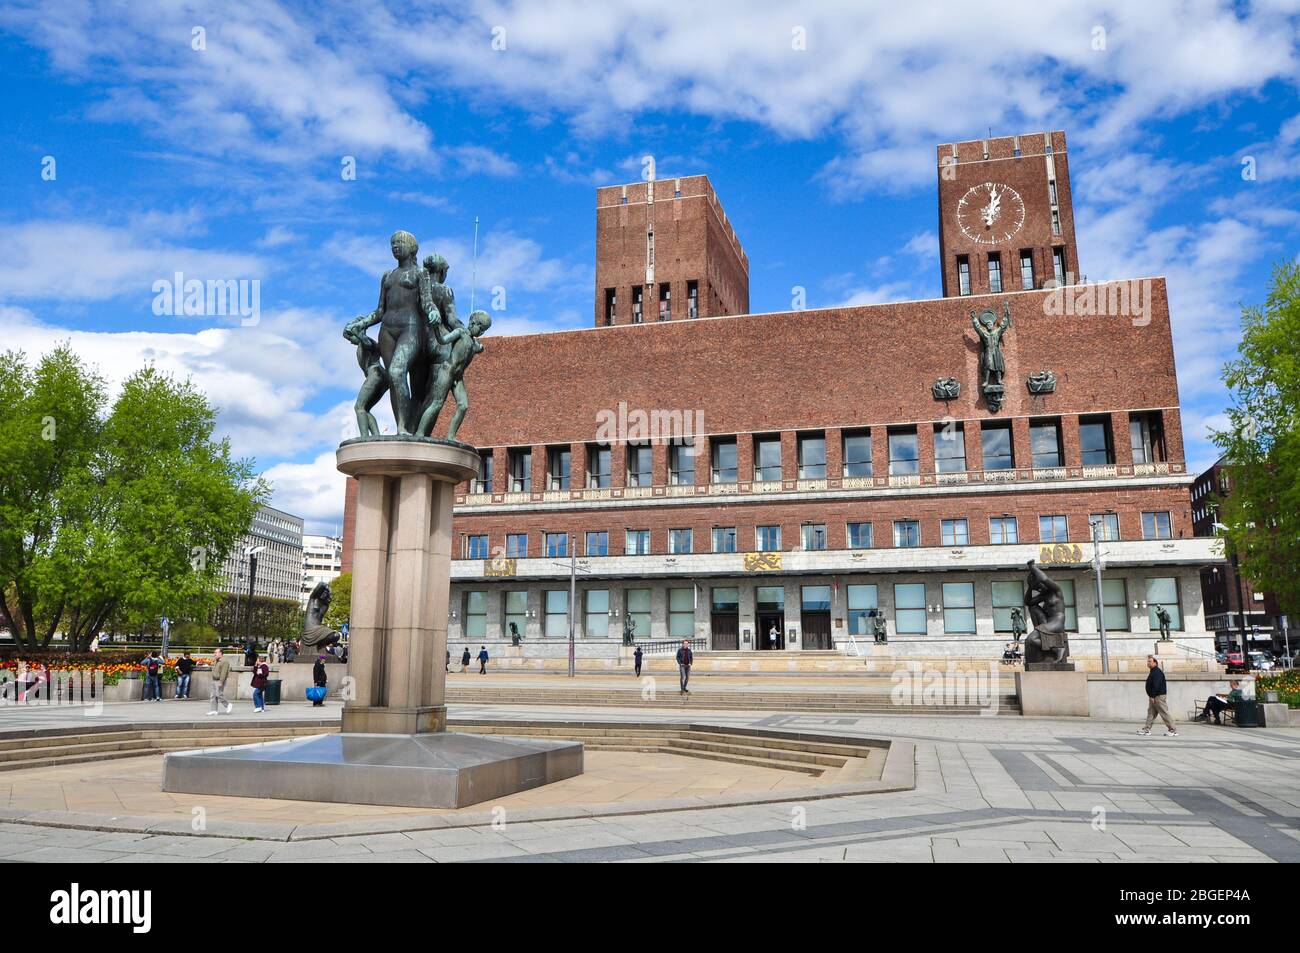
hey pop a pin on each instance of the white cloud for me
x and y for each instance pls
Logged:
(312, 490)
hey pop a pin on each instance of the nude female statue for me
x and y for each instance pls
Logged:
(407, 314)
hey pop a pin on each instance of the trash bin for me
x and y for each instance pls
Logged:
(1246, 714)
(271, 694)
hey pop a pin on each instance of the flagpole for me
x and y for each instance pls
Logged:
(473, 280)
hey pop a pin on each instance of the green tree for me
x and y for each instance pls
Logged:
(124, 511)
(340, 600)
(1262, 445)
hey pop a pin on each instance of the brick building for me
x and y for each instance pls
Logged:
(825, 474)
(1223, 589)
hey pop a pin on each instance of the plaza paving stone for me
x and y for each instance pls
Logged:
(1017, 790)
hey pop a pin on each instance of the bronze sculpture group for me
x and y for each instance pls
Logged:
(423, 349)
(1046, 604)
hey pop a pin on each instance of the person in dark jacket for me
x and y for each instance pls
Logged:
(319, 678)
(1156, 703)
(184, 668)
(636, 661)
(261, 674)
(464, 661)
(685, 659)
(482, 659)
(153, 666)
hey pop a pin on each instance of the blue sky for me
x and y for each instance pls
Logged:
(209, 139)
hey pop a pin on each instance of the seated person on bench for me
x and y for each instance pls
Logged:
(1216, 705)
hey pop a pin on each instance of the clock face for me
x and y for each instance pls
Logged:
(990, 213)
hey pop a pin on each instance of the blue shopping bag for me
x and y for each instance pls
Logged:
(316, 693)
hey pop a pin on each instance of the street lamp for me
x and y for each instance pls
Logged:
(1096, 525)
(251, 553)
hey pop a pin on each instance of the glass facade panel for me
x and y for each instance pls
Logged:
(909, 608)
(959, 608)
(861, 601)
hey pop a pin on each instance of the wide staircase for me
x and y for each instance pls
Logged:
(826, 758)
(60, 746)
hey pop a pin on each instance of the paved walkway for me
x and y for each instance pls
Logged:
(1003, 790)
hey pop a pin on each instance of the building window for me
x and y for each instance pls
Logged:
(959, 608)
(1026, 269)
(767, 459)
(595, 623)
(996, 440)
(517, 545)
(1156, 526)
(724, 460)
(679, 541)
(861, 602)
(812, 457)
(611, 300)
(598, 543)
(1108, 526)
(637, 542)
(639, 464)
(681, 464)
(1071, 611)
(1146, 437)
(1095, 446)
(558, 460)
(857, 454)
(954, 533)
(665, 302)
(903, 458)
(483, 482)
(767, 539)
(692, 299)
(556, 624)
(1045, 443)
(949, 448)
(724, 539)
(995, 273)
(907, 533)
(476, 547)
(681, 613)
(1053, 529)
(1002, 530)
(1058, 265)
(521, 470)
(1114, 602)
(814, 536)
(598, 466)
(557, 544)
(475, 614)
(859, 535)
(638, 610)
(963, 275)
(516, 614)
(909, 608)
(1163, 593)
(637, 315)
(1051, 192)
(1007, 596)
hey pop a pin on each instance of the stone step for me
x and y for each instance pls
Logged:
(78, 754)
(858, 705)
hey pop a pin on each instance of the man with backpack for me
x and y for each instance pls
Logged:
(482, 659)
(153, 666)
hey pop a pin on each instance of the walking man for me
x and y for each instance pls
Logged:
(482, 659)
(220, 672)
(184, 668)
(1156, 704)
(685, 659)
(636, 661)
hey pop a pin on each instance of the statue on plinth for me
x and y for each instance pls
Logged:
(316, 635)
(1047, 645)
(993, 365)
(423, 349)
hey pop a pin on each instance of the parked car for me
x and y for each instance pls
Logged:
(1261, 661)
(1235, 662)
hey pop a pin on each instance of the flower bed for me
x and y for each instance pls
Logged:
(1286, 684)
(115, 666)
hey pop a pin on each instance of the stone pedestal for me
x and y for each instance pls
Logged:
(394, 748)
(1053, 693)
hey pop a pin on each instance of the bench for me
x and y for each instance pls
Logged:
(1229, 715)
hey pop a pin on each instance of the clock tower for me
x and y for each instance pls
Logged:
(1006, 222)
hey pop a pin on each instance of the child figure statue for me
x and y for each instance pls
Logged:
(451, 361)
(376, 382)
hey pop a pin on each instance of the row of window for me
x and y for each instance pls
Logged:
(665, 297)
(1096, 447)
(1028, 280)
(1003, 530)
(911, 611)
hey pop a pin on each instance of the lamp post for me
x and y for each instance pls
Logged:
(251, 553)
(1101, 608)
